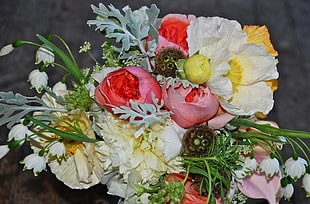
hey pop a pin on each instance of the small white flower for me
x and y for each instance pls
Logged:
(44, 55)
(4, 149)
(295, 168)
(270, 166)
(38, 80)
(250, 164)
(306, 184)
(58, 149)
(6, 50)
(35, 162)
(287, 191)
(18, 132)
(85, 47)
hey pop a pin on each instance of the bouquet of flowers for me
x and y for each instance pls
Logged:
(173, 114)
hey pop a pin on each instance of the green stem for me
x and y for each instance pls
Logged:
(67, 48)
(249, 135)
(70, 64)
(299, 147)
(271, 130)
(210, 181)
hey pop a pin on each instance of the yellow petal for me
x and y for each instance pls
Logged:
(259, 35)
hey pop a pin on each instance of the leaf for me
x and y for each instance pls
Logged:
(129, 29)
(14, 107)
(142, 114)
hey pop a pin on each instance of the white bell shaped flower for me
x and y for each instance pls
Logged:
(270, 166)
(18, 132)
(58, 149)
(35, 162)
(38, 80)
(306, 184)
(4, 149)
(6, 50)
(287, 191)
(250, 164)
(44, 55)
(295, 168)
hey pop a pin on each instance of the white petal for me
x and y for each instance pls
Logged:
(44, 55)
(35, 162)
(18, 132)
(257, 64)
(4, 149)
(306, 184)
(251, 99)
(6, 50)
(58, 149)
(38, 79)
(295, 168)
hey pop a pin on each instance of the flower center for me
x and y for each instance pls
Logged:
(126, 85)
(70, 145)
(235, 73)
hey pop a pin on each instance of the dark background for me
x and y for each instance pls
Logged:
(288, 23)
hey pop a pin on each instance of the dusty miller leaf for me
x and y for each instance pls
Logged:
(130, 29)
(14, 107)
(143, 114)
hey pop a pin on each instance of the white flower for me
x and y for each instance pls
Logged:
(248, 166)
(35, 162)
(287, 191)
(38, 80)
(4, 149)
(85, 47)
(145, 153)
(295, 168)
(57, 148)
(6, 50)
(44, 55)
(18, 132)
(270, 166)
(239, 70)
(306, 184)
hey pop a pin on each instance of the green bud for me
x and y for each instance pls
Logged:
(49, 38)
(14, 144)
(41, 152)
(295, 156)
(17, 43)
(26, 121)
(42, 68)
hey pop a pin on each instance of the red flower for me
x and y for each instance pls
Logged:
(174, 30)
(189, 105)
(124, 84)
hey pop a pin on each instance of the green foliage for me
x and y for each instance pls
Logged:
(78, 98)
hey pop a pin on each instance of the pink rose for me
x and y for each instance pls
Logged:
(173, 31)
(124, 84)
(190, 105)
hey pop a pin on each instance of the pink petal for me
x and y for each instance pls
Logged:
(257, 186)
(220, 121)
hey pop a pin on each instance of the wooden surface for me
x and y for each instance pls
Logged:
(288, 23)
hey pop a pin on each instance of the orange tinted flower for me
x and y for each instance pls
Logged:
(259, 35)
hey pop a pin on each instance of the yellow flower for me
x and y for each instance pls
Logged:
(197, 69)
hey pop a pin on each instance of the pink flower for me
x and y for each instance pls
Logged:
(190, 105)
(124, 84)
(173, 29)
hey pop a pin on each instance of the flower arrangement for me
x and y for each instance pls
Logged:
(174, 114)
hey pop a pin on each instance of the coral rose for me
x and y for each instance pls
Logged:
(190, 105)
(124, 84)
(173, 31)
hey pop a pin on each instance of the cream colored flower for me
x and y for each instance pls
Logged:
(44, 55)
(144, 153)
(239, 70)
(38, 80)
(83, 164)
